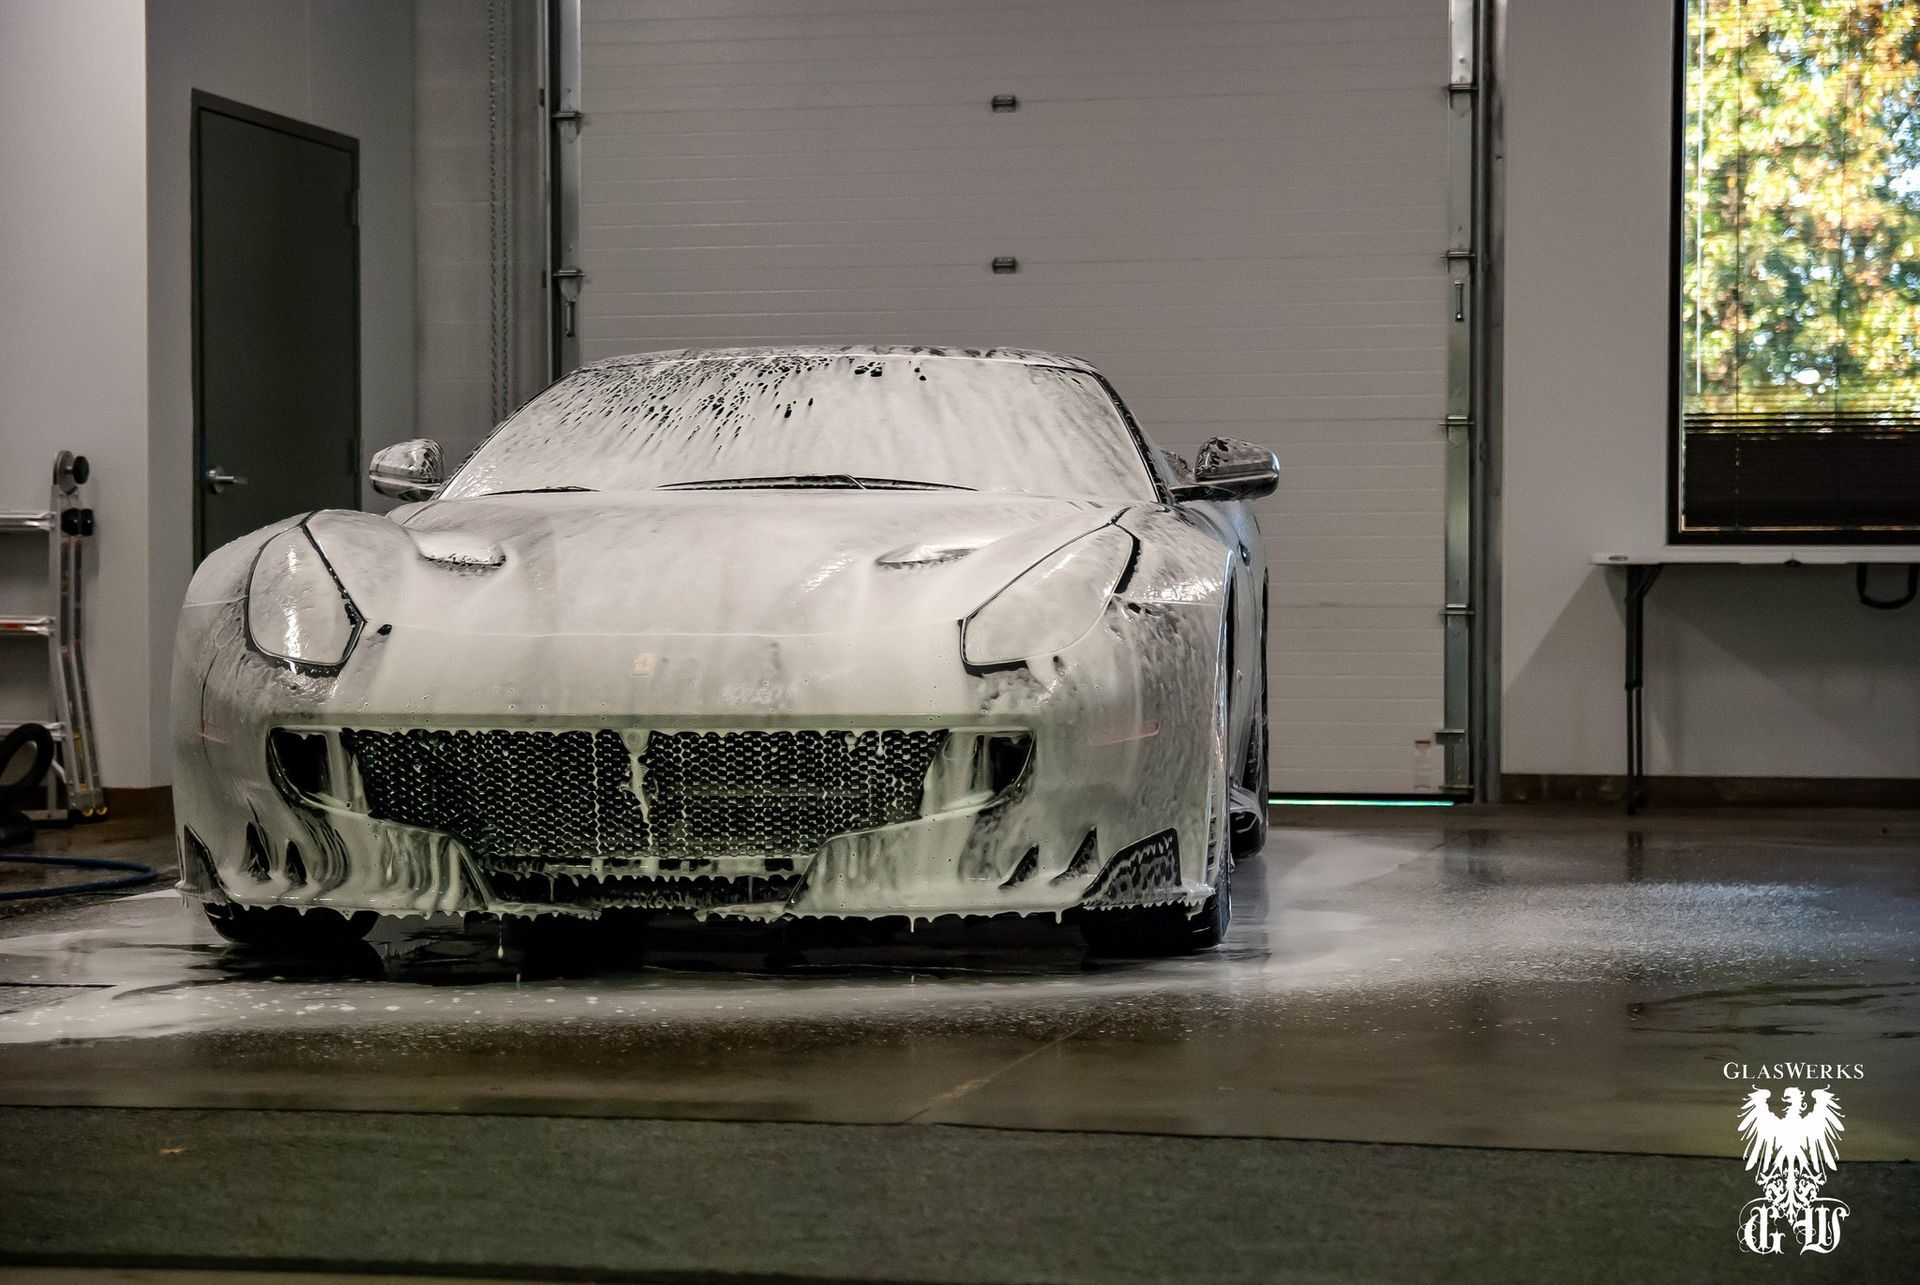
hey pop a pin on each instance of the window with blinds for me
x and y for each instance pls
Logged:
(1799, 271)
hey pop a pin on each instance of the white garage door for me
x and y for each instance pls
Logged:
(1237, 208)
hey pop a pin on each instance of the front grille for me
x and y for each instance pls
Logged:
(517, 799)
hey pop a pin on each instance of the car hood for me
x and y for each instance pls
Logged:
(720, 562)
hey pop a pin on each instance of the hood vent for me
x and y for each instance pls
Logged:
(456, 550)
(929, 555)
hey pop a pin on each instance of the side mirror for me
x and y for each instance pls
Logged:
(408, 470)
(1231, 470)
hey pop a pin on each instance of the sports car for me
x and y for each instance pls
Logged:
(772, 633)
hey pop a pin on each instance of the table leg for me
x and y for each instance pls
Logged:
(1640, 578)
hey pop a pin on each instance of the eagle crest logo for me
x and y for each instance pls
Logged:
(1791, 1155)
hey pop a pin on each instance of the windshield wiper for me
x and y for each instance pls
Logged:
(813, 481)
(538, 490)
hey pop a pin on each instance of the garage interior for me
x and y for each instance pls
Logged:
(1593, 661)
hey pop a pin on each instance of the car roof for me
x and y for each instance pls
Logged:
(1023, 356)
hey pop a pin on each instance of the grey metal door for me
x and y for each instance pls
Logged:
(276, 305)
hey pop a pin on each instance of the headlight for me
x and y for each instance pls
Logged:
(1051, 605)
(297, 609)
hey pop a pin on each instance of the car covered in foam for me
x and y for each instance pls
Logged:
(766, 633)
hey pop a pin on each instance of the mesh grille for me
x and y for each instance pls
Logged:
(515, 798)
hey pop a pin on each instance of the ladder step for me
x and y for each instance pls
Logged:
(64, 522)
(56, 730)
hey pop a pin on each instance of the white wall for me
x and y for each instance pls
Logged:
(73, 353)
(345, 65)
(1776, 672)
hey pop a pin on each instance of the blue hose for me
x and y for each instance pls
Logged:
(137, 875)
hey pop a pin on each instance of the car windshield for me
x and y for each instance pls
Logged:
(785, 421)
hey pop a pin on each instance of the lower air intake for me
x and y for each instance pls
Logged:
(647, 892)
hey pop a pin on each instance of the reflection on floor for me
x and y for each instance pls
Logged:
(1513, 987)
(1525, 980)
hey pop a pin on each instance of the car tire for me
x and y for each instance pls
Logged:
(1251, 842)
(284, 929)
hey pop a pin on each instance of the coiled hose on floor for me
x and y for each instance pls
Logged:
(135, 875)
(26, 756)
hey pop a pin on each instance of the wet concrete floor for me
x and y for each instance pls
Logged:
(1519, 979)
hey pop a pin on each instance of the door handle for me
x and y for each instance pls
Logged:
(218, 481)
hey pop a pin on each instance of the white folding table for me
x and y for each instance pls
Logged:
(1643, 568)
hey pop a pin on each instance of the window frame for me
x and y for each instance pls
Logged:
(1677, 534)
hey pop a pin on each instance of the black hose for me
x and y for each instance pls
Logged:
(137, 875)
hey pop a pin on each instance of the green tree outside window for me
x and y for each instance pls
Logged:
(1799, 211)
(1801, 207)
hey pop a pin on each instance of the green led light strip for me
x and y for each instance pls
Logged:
(1274, 800)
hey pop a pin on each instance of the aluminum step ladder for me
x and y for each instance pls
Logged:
(73, 787)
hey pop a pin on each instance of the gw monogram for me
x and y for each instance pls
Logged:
(1791, 1156)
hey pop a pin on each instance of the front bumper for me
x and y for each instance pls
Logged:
(1113, 808)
